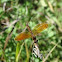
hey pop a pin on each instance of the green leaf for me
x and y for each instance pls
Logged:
(17, 50)
(1, 10)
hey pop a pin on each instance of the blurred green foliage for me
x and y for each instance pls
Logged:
(34, 12)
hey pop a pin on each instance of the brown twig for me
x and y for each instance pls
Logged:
(50, 5)
(9, 25)
(57, 45)
(7, 39)
(44, 60)
(9, 36)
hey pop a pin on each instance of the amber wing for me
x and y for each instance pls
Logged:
(36, 30)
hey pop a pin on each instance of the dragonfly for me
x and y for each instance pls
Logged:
(29, 34)
(36, 30)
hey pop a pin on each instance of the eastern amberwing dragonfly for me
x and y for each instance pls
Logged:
(36, 30)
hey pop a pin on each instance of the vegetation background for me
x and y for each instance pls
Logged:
(14, 14)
